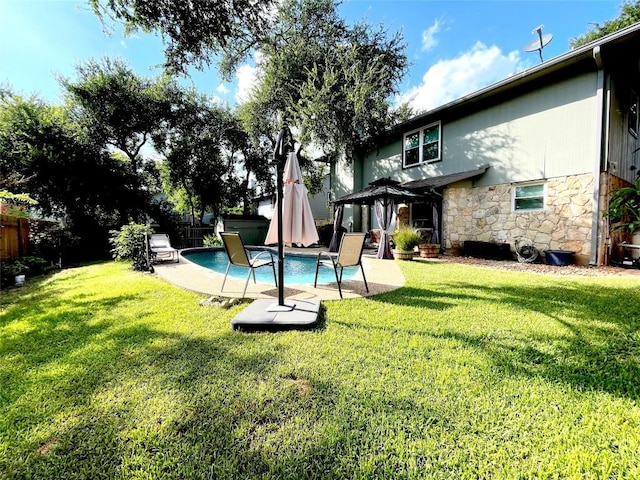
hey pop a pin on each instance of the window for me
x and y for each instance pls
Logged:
(422, 146)
(528, 197)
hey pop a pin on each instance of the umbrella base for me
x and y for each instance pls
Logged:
(276, 307)
(264, 314)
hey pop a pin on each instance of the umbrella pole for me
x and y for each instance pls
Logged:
(279, 173)
(279, 157)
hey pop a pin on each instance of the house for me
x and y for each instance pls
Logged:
(535, 156)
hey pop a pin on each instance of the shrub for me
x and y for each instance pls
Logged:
(9, 269)
(131, 243)
(51, 241)
(406, 238)
(211, 241)
(34, 265)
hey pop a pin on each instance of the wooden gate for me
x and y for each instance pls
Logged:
(14, 236)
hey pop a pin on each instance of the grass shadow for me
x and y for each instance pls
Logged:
(580, 332)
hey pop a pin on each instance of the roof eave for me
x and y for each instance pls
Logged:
(556, 64)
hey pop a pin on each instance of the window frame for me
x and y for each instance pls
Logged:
(514, 199)
(421, 145)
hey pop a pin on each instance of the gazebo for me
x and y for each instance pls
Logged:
(383, 194)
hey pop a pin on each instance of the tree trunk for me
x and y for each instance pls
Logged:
(245, 194)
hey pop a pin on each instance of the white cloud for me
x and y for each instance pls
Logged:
(429, 36)
(454, 78)
(248, 77)
(222, 88)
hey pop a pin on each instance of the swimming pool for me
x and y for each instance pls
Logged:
(299, 269)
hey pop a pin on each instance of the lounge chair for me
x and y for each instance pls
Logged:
(240, 256)
(160, 244)
(349, 255)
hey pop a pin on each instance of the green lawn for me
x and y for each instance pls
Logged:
(464, 373)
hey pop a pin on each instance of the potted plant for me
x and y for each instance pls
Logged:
(405, 240)
(624, 210)
(427, 248)
(14, 271)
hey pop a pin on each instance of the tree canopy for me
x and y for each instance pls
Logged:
(629, 14)
(192, 31)
(195, 170)
(332, 80)
(118, 108)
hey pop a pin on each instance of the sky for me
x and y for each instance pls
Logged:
(455, 47)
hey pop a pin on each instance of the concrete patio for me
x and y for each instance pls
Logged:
(382, 276)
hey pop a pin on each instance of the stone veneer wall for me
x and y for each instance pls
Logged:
(485, 214)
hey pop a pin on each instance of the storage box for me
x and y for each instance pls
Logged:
(559, 257)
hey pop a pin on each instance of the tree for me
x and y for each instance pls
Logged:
(629, 14)
(195, 171)
(253, 156)
(331, 80)
(61, 168)
(120, 111)
(193, 31)
(334, 81)
(14, 204)
(118, 108)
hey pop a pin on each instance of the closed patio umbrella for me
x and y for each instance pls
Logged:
(298, 225)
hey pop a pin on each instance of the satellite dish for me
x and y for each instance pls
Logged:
(540, 42)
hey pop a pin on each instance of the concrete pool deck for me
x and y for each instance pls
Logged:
(382, 276)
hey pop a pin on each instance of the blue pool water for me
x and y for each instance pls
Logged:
(299, 269)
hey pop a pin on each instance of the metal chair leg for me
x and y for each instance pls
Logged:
(315, 280)
(225, 276)
(335, 270)
(364, 278)
(246, 284)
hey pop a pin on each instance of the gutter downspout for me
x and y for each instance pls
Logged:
(599, 156)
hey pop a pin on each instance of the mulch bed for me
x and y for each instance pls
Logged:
(541, 268)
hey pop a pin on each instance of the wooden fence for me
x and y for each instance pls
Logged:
(193, 236)
(14, 236)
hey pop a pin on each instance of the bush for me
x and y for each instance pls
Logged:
(211, 241)
(34, 265)
(51, 241)
(21, 266)
(406, 238)
(130, 243)
(10, 268)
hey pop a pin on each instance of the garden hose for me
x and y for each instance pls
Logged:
(526, 252)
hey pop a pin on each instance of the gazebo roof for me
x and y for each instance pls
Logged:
(413, 191)
(382, 188)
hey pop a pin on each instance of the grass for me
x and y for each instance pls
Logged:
(463, 373)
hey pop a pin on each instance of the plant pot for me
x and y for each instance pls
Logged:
(402, 254)
(429, 250)
(558, 257)
(19, 279)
